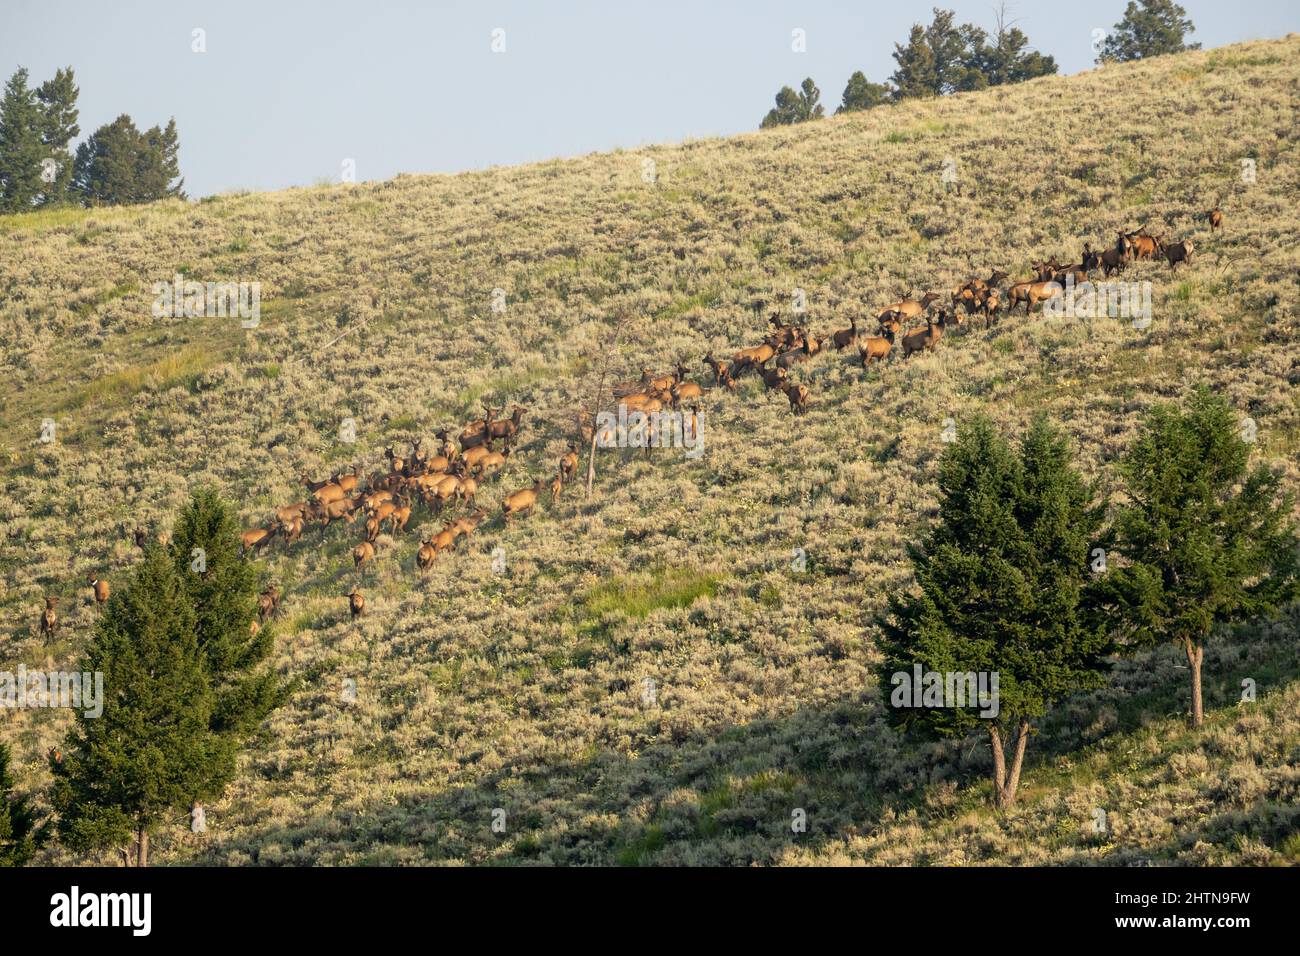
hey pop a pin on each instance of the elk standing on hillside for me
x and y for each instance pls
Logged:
(49, 619)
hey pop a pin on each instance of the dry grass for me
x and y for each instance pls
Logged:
(522, 690)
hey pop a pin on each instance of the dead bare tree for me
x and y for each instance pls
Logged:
(608, 349)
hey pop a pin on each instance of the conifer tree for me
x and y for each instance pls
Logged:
(223, 588)
(20, 832)
(1207, 540)
(152, 752)
(1000, 590)
(21, 150)
(1148, 28)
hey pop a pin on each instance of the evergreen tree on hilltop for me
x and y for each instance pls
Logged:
(1148, 28)
(118, 164)
(58, 101)
(1001, 588)
(795, 107)
(21, 149)
(861, 94)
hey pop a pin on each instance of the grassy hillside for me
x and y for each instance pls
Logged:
(523, 690)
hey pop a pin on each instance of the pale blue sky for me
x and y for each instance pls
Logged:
(287, 90)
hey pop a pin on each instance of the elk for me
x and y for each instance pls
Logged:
(846, 337)
(924, 340)
(1144, 246)
(522, 501)
(49, 619)
(1031, 293)
(288, 513)
(569, 462)
(476, 432)
(507, 427)
(989, 307)
(1117, 257)
(468, 524)
(908, 308)
(754, 357)
(314, 486)
(798, 396)
(774, 378)
(328, 493)
(1215, 216)
(1177, 252)
(362, 553)
(494, 461)
(557, 485)
(348, 481)
(875, 348)
(268, 603)
(683, 390)
(100, 588)
(399, 516)
(356, 603)
(721, 373)
(255, 539)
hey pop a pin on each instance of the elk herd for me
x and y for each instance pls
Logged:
(450, 479)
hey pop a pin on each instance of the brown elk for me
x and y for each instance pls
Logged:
(798, 396)
(1144, 246)
(908, 308)
(476, 432)
(493, 461)
(314, 486)
(356, 603)
(328, 493)
(348, 481)
(989, 307)
(1215, 216)
(557, 485)
(49, 619)
(507, 427)
(924, 340)
(1177, 252)
(522, 501)
(875, 348)
(362, 553)
(399, 517)
(846, 337)
(721, 373)
(1031, 293)
(100, 589)
(569, 462)
(753, 357)
(268, 603)
(774, 379)
(255, 539)
(1118, 256)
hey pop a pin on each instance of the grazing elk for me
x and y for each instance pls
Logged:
(522, 501)
(254, 539)
(798, 396)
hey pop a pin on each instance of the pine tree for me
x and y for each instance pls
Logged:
(1207, 539)
(792, 107)
(934, 62)
(223, 587)
(1001, 589)
(1148, 28)
(118, 164)
(20, 833)
(21, 150)
(861, 94)
(152, 752)
(58, 100)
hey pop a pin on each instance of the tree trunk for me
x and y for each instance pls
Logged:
(142, 847)
(591, 461)
(1195, 655)
(1006, 780)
